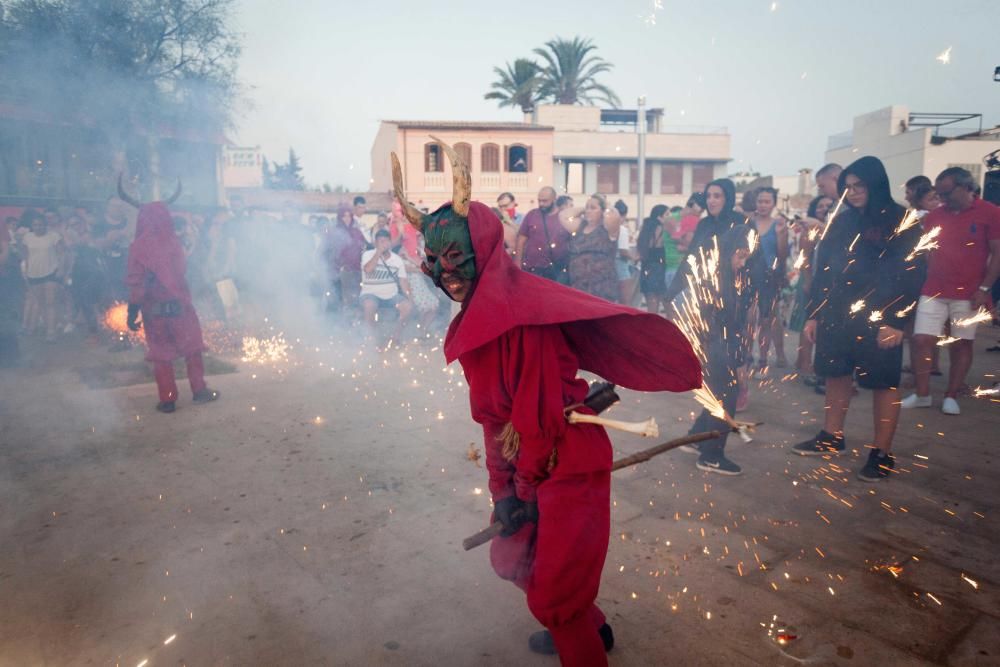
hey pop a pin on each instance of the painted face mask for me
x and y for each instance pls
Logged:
(451, 260)
(448, 247)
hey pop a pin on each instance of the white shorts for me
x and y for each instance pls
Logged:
(933, 312)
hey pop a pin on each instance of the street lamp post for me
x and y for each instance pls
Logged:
(640, 128)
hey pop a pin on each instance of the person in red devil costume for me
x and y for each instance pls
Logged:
(521, 340)
(158, 290)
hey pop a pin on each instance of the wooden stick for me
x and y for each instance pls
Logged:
(647, 429)
(487, 534)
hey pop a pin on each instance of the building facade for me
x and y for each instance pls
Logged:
(910, 144)
(503, 157)
(575, 149)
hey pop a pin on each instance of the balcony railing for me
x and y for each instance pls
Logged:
(489, 181)
(434, 181)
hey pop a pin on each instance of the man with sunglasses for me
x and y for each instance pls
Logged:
(960, 273)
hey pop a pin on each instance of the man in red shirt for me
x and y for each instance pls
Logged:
(542, 242)
(960, 273)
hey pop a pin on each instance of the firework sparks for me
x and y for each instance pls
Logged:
(979, 392)
(911, 219)
(115, 320)
(926, 243)
(876, 316)
(265, 350)
(650, 18)
(906, 311)
(944, 57)
(833, 216)
(857, 306)
(981, 316)
(947, 340)
(800, 260)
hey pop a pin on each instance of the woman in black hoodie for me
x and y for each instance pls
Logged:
(865, 280)
(726, 343)
(720, 199)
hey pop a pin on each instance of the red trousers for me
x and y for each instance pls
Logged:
(559, 562)
(166, 383)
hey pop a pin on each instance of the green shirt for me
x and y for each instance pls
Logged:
(672, 256)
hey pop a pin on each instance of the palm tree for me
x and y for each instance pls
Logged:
(517, 86)
(570, 73)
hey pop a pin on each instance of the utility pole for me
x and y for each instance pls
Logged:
(640, 128)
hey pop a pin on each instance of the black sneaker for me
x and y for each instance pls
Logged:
(542, 642)
(877, 467)
(822, 444)
(166, 407)
(720, 465)
(206, 395)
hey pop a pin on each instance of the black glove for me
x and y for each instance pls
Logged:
(509, 512)
(133, 317)
(531, 513)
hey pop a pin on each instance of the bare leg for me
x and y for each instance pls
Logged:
(886, 408)
(778, 336)
(838, 399)
(764, 341)
(804, 362)
(404, 308)
(960, 356)
(31, 308)
(921, 347)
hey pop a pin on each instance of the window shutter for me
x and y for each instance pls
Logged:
(529, 159)
(506, 158)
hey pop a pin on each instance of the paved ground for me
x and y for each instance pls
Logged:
(314, 515)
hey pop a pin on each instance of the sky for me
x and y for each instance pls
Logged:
(781, 76)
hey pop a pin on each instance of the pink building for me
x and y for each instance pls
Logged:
(503, 157)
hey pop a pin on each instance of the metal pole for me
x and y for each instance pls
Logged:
(640, 127)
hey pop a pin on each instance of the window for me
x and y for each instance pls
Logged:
(607, 178)
(518, 158)
(701, 174)
(490, 158)
(671, 178)
(633, 179)
(464, 151)
(432, 158)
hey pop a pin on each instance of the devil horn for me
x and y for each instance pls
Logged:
(412, 213)
(124, 196)
(461, 180)
(177, 193)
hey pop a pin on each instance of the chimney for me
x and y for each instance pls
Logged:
(804, 180)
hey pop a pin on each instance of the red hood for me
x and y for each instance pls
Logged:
(626, 346)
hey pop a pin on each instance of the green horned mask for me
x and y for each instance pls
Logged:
(446, 233)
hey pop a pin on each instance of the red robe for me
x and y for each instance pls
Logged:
(155, 276)
(521, 340)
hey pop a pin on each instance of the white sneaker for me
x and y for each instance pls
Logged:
(914, 401)
(950, 406)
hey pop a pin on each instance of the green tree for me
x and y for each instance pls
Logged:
(570, 70)
(287, 176)
(122, 65)
(517, 85)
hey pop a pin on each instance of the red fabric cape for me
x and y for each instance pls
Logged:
(623, 345)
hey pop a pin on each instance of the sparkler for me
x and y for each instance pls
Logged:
(944, 57)
(979, 392)
(876, 316)
(800, 260)
(982, 315)
(857, 306)
(906, 311)
(946, 340)
(910, 219)
(833, 216)
(926, 243)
